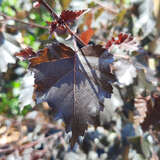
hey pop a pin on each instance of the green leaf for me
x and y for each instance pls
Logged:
(16, 84)
(23, 64)
(141, 145)
(145, 146)
(26, 109)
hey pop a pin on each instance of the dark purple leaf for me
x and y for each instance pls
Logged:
(74, 84)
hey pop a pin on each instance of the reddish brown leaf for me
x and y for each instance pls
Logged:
(149, 115)
(87, 35)
(56, 27)
(74, 84)
(122, 38)
(153, 113)
(141, 104)
(46, 56)
(148, 112)
(69, 16)
(26, 53)
(109, 43)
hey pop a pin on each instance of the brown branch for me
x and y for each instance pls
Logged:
(31, 144)
(20, 21)
(73, 34)
(110, 9)
(49, 9)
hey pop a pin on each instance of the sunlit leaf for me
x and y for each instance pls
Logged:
(75, 86)
(87, 35)
(67, 16)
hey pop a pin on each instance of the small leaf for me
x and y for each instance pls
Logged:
(145, 146)
(21, 14)
(70, 16)
(152, 113)
(86, 36)
(140, 105)
(26, 53)
(67, 17)
(58, 28)
(123, 40)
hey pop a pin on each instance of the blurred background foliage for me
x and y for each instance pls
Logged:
(130, 122)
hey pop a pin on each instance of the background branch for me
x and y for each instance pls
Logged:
(34, 25)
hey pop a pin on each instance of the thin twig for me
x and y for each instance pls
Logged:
(73, 34)
(20, 21)
(109, 8)
(45, 4)
(31, 144)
